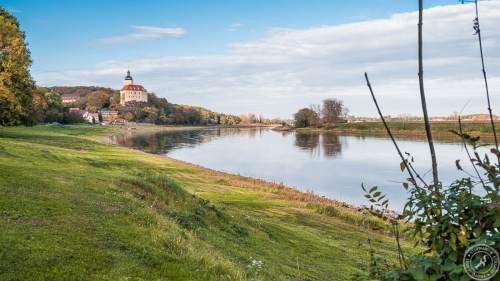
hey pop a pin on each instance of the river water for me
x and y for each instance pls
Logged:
(332, 165)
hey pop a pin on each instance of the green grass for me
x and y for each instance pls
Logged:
(74, 208)
(413, 128)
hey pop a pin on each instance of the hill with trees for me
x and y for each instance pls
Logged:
(22, 103)
(50, 108)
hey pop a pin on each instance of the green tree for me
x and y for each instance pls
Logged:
(54, 112)
(47, 106)
(39, 105)
(306, 117)
(16, 84)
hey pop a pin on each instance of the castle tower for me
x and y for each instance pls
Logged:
(131, 91)
(128, 79)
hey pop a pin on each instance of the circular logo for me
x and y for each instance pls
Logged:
(481, 262)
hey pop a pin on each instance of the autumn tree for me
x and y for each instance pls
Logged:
(114, 100)
(16, 84)
(40, 105)
(97, 100)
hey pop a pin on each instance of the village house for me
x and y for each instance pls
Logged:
(89, 117)
(92, 118)
(76, 110)
(131, 91)
(69, 98)
(108, 115)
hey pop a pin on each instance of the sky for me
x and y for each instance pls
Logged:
(268, 57)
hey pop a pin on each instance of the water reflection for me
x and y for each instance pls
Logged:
(166, 141)
(327, 144)
(329, 164)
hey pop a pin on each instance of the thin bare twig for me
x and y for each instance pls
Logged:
(478, 32)
(417, 175)
(467, 151)
(422, 98)
(414, 182)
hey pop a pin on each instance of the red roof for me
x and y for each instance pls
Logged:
(75, 110)
(133, 87)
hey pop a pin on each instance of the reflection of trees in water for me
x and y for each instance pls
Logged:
(307, 141)
(329, 144)
(163, 142)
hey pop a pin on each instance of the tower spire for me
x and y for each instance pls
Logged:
(128, 77)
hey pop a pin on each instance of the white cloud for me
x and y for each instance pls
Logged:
(291, 68)
(13, 10)
(143, 33)
(235, 26)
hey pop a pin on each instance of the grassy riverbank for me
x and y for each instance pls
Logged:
(410, 128)
(74, 208)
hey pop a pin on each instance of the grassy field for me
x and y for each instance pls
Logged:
(412, 128)
(74, 208)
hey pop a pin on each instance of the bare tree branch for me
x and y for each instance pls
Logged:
(478, 32)
(467, 151)
(422, 98)
(407, 166)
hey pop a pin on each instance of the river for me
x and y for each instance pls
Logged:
(328, 164)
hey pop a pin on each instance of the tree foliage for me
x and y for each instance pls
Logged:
(306, 117)
(16, 84)
(328, 114)
(333, 111)
(47, 106)
(445, 219)
(159, 111)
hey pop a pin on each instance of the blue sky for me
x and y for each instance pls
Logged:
(59, 30)
(170, 44)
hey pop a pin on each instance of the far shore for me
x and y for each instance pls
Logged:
(440, 130)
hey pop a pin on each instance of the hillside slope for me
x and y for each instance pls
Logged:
(73, 208)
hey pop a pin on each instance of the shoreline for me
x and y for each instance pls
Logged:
(302, 196)
(440, 131)
(108, 202)
(307, 200)
(286, 192)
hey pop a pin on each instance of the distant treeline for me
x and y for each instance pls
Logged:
(48, 107)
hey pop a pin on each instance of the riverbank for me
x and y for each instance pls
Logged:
(410, 129)
(73, 207)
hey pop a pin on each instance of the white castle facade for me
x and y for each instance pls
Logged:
(131, 91)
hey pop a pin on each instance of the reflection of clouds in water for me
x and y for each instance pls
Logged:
(330, 164)
(166, 141)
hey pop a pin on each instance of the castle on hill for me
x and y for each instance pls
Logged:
(131, 91)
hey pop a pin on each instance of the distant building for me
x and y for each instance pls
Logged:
(76, 110)
(69, 98)
(131, 91)
(92, 118)
(108, 115)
